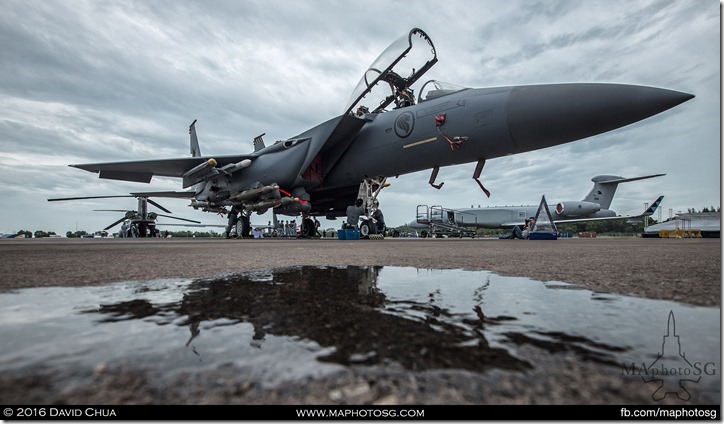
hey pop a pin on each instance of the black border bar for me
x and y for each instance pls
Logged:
(358, 412)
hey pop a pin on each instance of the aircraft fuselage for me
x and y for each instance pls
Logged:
(491, 122)
(496, 217)
(497, 122)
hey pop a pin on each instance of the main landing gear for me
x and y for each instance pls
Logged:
(369, 189)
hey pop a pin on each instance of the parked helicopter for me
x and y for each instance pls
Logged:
(134, 223)
(326, 168)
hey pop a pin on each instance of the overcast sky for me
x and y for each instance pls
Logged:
(98, 81)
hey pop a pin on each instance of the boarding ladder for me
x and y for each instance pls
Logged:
(445, 222)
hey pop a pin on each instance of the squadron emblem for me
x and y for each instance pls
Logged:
(404, 124)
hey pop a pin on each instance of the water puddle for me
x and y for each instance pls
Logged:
(304, 322)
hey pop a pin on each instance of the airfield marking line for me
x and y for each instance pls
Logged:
(427, 140)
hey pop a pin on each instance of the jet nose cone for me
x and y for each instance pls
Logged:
(546, 115)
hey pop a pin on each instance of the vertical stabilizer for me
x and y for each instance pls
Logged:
(195, 151)
(651, 209)
(259, 142)
(604, 187)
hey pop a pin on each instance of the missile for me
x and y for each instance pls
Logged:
(265, 204)
(204, 206)
(201, 169)
(233, 167)
(284, 202)
(196, 205)
(290, 205)
(252, 193)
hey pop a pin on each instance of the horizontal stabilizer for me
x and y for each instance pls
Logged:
(626, 180)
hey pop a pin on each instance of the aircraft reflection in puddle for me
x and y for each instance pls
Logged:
(306, 321)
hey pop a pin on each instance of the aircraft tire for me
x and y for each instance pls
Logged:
(307, 230)
(245, 226)
(366, 228)
(423, 234)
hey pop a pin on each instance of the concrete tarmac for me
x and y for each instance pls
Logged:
(682, 270)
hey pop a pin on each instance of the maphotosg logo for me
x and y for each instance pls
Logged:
(672, 371)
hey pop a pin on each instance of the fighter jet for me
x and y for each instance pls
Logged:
(386, 131)
(593, 207)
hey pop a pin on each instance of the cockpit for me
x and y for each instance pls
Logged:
(387, 82)
(434, 89)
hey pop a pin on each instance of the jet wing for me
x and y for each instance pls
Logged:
(143, 171)
(605, 218)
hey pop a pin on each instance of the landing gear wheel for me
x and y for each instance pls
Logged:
(307, 229)
(365, 229)
(423, 234)
(245, 226)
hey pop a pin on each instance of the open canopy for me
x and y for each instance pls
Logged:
(412, 54)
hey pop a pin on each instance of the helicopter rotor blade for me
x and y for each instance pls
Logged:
(136, 195)
(88, 197)
(114, 224)
(181, 219)
(158, 206)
